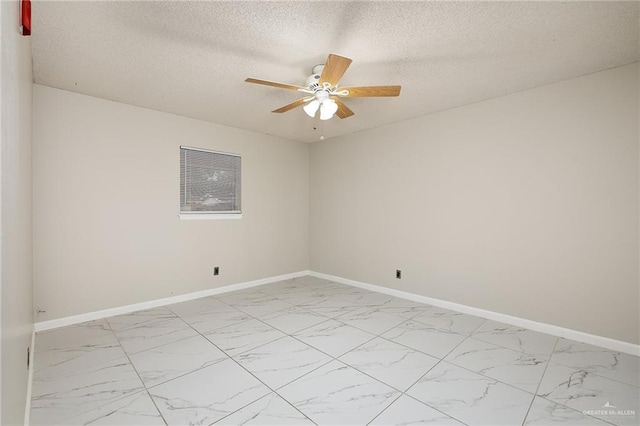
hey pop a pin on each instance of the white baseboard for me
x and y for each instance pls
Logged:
(90, 316)
(579, 336)
(32, 349)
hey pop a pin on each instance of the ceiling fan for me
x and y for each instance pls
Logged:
(322, 86)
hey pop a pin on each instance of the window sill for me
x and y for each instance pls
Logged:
(210, 216)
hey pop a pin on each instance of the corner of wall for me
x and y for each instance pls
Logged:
(16, 285)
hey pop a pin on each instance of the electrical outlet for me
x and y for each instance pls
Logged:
(216, 270)
(398, 274)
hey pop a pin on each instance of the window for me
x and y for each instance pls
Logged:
(209, 182)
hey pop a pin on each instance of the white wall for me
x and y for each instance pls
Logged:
(525, 205)
(15, 215)
(106, 201)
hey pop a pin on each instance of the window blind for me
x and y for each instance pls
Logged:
(209, 181)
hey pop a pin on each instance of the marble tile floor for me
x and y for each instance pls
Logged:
(310, 351)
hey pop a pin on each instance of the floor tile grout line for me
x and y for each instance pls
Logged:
(251, 315)
(242, 367)
(492, 378)
(225, 353)
(141, 391)
(324, 364)
(605, 377)
(488, 377)
(326, 353)
(122, 357)
(433, 408)
(188, 372)
(507, 347)
(254, 376)
(539, 354)
(297, 331)
(377, 334)
(142, 324)
(139, 377)
(472, 335)
(420, 378)
(574, 410)
(219, 328)
(475, 372)
(341, 362)
(427, 372)
(484, 320)
(599, 375)
(185, 374)
(365, 373)
(380, 336)
(269, 387)
(320, 323)
(292, 305)
(429, 327)
(249, 349)
(400, 395)
(306, 328)
(332, 359)
(156, 347)
(70, 326)
(419, 350)
(551, 401)
(261, 299)
(484, 376)
(252, 402)
(204, 311)
(540, 381)
(554, 402)
(522, 390)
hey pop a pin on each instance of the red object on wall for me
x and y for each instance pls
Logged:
(25, 18)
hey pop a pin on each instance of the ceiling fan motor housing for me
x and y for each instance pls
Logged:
(312, 81)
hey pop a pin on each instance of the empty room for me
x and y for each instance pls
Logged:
(320, 212)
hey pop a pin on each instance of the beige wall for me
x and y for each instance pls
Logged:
(106, 201)
(525, 205)
(15, 215)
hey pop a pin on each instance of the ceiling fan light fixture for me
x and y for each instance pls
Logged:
(328, 108)
(311, 108)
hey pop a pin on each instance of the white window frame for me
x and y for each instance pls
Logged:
(210, 215)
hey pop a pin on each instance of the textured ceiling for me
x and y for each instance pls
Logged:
(191, 58)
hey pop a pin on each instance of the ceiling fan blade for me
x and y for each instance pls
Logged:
(273, 84)
(334, 69)
(343, 110)
(292, 105)
(371, 91)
